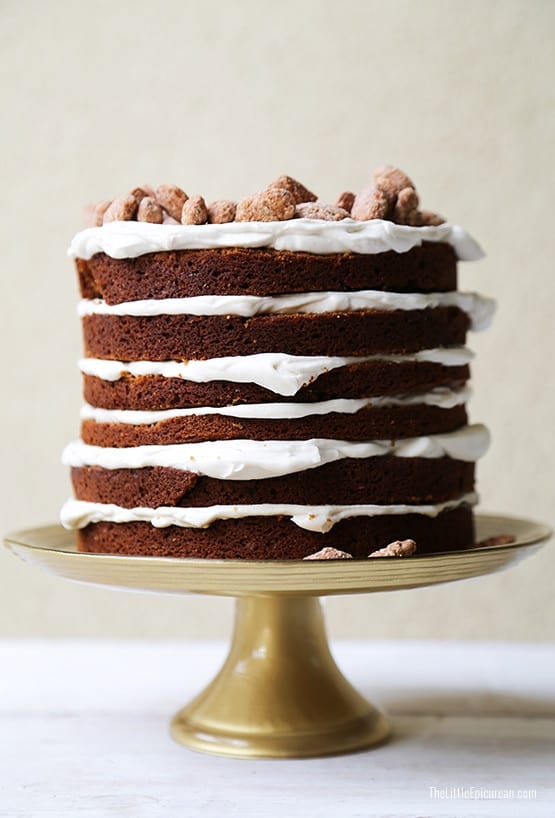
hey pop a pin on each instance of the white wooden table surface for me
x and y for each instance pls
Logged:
(83, 732)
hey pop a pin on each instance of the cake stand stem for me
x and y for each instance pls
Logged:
(279, 692)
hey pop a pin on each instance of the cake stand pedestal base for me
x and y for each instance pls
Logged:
(279, 692)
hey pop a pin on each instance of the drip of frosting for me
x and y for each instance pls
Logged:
(279, 372)
(442, 397)
(78, 513)
(260, 459)
(131, 239)
(479, 308)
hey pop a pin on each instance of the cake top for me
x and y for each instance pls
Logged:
(385, 215)
(390, 196)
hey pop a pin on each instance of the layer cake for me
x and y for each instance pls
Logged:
(269, 379)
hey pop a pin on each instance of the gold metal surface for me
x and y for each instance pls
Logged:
(279, 692)
(54, 549)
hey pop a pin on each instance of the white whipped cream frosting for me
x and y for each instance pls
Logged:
(442, 397)
(260, 459)
(479, 308)
(279, 372)
(131, 239)
(78, 513)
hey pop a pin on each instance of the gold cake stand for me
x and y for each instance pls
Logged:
(279, 692)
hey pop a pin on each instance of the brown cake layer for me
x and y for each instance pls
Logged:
(378, 480)
(165, 337)
(235, 271)
(278, 538)
(353, 381)
(383, 423)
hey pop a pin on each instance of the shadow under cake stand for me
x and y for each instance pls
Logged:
(279, 692)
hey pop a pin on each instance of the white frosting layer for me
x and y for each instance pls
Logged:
(260, 459)
(281, 373)
(479, 308)
(78, 514)
(441, 397)
(132, 239)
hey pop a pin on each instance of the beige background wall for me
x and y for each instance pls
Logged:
(221, 97)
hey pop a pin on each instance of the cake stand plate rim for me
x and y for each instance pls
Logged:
(288, 577)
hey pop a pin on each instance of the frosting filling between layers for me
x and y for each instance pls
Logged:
(442, 397)
(260, 459)
(130, 239)
(281, 373)
(479, 308)
(79, 513)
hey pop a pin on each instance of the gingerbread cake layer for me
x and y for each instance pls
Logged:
(378, 480)
(155, 392)
(366, 424)
(237, 271)
(165, 337)
(279, 538)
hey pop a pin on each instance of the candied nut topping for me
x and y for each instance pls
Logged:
(172, 199)
(406, 207)
(139, 193)
(346, 200)
(299, 192)
(372, 203)
(314, 210)
(500, 539)
(391, 180)
(328, 553)
(390, 196)
(399, 548)
(194, 211)
(272, 205)
(149, 211)
(121, 209)
(221, 211)
(430, 219)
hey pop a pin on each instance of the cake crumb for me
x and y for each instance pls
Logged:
(329, 553)
(399, 548)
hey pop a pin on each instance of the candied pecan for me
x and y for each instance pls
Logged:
(93, 213)
(329, 553)
(299, 192)
(139, 193)
(122, 209)
(221, 211)
(500, 539)
(315, 210)
(346, 200)
(430, 219)
(399, 548)
(149, 211)
(272, 205)
(391, 180)
(406, 207)
(372, 203)
(194, 211)
(172, 199)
